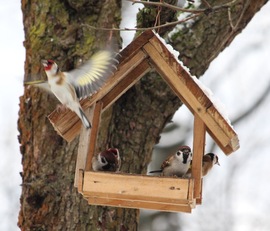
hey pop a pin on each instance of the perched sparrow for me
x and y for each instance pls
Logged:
(108, 160)
(177, 164)
(208, 161)
(71, 86)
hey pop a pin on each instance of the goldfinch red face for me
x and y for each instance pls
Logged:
(50, 66)
(47, 64)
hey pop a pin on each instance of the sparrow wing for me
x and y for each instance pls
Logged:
(91, 76)
(164, 164)
(167, 162)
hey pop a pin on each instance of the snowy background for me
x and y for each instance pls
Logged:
(236, 194)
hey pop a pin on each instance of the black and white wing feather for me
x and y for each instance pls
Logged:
(91, 76)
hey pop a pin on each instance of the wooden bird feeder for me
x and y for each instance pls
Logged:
(145, 53)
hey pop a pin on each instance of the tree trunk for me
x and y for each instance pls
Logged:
(53, 30)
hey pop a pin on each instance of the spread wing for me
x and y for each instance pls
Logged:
(92, 75)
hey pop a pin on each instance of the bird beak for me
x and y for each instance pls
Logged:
(44, 62)
(218, 163)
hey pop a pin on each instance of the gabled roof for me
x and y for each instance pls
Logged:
(145, 53)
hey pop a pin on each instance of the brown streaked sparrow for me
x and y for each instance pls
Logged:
(208, 161)
(177, 164)
(108, 160)
(79, 83)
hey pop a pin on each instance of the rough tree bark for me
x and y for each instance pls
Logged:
(52, 30)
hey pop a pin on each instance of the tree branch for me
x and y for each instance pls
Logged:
(172, 7)
(167, 5)
(195, 13)
(143, 28)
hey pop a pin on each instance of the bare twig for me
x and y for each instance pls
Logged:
(157, 22)
(164, 4)
(172, 7)
(195, 13)
(143, 29)
(230, 19)
(207, 4)
(233, 26)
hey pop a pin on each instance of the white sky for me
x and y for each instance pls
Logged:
(236, 77)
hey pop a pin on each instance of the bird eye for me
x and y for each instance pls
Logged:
(103, 160)
(178, 153)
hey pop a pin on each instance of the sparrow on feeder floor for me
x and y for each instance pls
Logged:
(108, 160)
(177, 164)
(79, 83)
(208, 161)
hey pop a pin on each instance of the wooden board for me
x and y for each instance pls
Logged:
(125, 84)
(80, 181)
(136, 56)
(198, 152)
(186, 88)
(139, 204)
(83, 146)
(137, 191)
(93, 135)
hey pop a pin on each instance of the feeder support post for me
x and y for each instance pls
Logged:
(198, 152)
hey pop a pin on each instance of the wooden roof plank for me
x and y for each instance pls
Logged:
(190, 93)
(135, 46)
(126, 83)
(122, 71)
(68, 125)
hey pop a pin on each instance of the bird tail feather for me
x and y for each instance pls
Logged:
(156, 171)
(84, 119)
